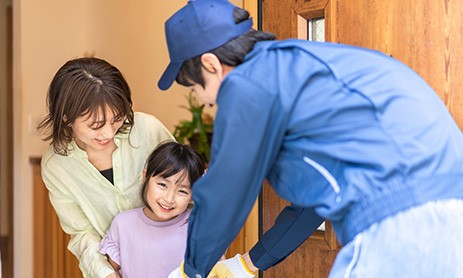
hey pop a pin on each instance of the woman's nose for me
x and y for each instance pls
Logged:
(107, 131)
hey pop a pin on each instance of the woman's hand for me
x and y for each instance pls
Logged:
(116, 267)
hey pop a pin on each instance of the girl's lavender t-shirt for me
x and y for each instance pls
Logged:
(143, 247)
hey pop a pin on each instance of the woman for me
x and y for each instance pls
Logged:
(93, 166)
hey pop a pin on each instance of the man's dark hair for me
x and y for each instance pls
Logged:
(231, 53)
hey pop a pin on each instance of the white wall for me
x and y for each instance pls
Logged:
(47, 33)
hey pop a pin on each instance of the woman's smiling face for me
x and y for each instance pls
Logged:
(91, 134)
(168, 197)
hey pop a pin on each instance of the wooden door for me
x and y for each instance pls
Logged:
(313, 258)
(426, 35)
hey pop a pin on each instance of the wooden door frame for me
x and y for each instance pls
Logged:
(301, 12)
(6, 160)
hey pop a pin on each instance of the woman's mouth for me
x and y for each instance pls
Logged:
(103, 142)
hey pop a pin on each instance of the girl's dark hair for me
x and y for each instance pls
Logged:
(169, 159)
(231, 53)
(84, 86)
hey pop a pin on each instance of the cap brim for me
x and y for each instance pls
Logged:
(169, 76)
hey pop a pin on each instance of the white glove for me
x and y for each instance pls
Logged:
(231, 268)
(178, 273)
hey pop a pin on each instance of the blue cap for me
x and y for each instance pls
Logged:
(198, 27)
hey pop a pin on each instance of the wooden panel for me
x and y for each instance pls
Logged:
(39, 224)
(426, 35)
(237, 246)
(313, 258)
(276, 17)
(247, 236)
(52, 259)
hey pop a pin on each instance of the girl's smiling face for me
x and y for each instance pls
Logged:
(168, 197)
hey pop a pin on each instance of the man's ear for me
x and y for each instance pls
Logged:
(211, 63)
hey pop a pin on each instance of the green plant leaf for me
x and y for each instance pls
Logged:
(195, 132)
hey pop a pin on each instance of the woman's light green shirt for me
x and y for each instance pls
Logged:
(86, 202)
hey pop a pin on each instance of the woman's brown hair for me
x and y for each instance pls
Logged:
(84, 86)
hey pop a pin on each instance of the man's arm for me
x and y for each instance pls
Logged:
(248, 132)
(292, 227)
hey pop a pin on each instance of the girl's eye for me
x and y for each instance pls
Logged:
(184, 192)
(163, 185)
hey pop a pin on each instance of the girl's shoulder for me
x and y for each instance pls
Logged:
(127, 216)
(186, 214)
(128, 213)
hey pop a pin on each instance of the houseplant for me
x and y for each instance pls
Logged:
(198, 131)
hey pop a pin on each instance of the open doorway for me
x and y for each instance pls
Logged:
(6, 138)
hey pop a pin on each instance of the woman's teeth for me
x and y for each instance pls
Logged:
(103, 141)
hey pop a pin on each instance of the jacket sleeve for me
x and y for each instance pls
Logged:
(292, 227)
(248, 131)
(85, 240)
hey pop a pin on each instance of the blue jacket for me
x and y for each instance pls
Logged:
(351, 134)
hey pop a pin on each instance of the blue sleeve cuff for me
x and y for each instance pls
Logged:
(292, 227)
(191, 272)
(261, 259)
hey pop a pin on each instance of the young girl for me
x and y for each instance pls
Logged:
(158, 230)
(98, 146)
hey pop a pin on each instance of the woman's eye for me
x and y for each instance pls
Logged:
(95, 127)
(117, 120)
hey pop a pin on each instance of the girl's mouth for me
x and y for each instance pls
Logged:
(166, 208)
